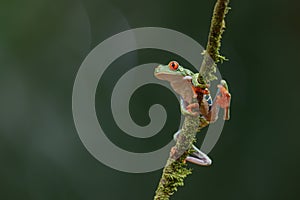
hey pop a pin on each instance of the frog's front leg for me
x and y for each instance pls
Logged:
(222, 100)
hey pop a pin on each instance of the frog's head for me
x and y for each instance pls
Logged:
(167, 72)
(180, 79)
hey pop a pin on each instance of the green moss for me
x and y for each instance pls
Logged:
(174, 175)
(176, 169)
(212, 54)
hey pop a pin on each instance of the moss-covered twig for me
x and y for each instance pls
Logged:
(176, 169)
(211, 54)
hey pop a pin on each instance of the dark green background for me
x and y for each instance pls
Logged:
(43, 43)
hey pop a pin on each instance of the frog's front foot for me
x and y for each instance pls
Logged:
(193, 109)
(223, 99)
(189, 109)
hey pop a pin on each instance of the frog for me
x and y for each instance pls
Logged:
(195, 100)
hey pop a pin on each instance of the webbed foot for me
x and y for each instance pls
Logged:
(197, 157)
(190, 109)
(203, 161)
(193, 108)
(223, 98)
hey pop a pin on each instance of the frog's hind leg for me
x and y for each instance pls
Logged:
(198, 157)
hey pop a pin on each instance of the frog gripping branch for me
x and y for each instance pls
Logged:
(184, 82)
(196, 105)
(195, 98)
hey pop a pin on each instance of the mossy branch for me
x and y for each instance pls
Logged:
(212, 54)
(176, 169)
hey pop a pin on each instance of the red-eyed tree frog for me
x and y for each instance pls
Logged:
(195, 100)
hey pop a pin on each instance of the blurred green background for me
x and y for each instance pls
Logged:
(42, 45)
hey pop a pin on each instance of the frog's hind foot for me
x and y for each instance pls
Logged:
(199, 161)
(199, 158)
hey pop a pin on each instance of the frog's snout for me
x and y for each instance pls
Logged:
(158, 72)
(157, 69)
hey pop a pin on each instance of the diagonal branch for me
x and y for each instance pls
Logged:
(211, 54)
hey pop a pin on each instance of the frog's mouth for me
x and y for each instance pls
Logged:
(166, 76)
(169, 76)
(162, 75)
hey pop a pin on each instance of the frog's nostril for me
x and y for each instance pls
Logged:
(157, 68)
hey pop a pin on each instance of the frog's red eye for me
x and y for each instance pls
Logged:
(173, 65)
